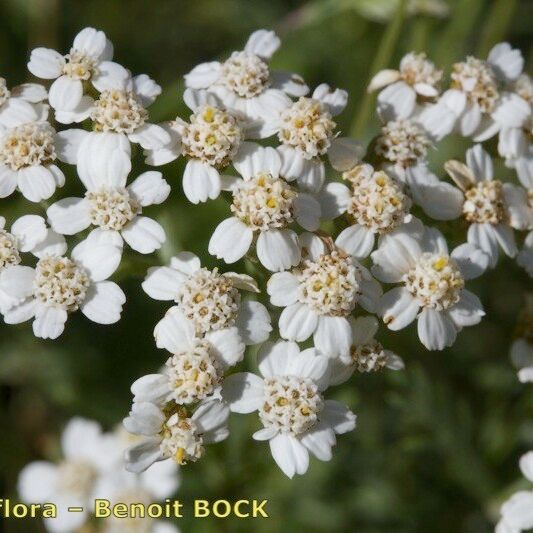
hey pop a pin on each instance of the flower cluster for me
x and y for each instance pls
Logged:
(334, 237)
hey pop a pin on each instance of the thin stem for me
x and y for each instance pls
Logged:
(495, 28)
(381, 60)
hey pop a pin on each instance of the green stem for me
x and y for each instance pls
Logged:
(381, 60)
(495, 28)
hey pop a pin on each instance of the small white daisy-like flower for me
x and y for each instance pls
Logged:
(172, 433)
(477, 99)
(88, 454)
(264, 204)
(89, 60)
(196, 368)
(296, 418)
(28, 153)
(491, 208)
(208, 298)
(517, 511)
(245, 84)
(320, 294)
(366, 353)
(23, 100)
(306, 131)
(59, 285)
(374, 204)
(432, 283)
(417, 81)
(109, 205)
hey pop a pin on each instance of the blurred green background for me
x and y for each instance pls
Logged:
(436, 447)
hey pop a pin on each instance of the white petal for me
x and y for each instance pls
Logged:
(34, 93)
(319, 440)
(90, 41)
(162, 283)
(100, 260)
(334, 200)
(307, 211)
(104, 302)
(150, 188)
(334, 99)
(512, 111)
(471, 260)
(468, 311)
(150, 136)
(393, 361)
(144, 235)
(253, 322)
(36, 183)
(333, 336)
(203, 75)
(81, 112)
(37, 482)
(263, 43)
(65, 93)
(226, 346)
(29, 230)
(344, 153)
(273, 358)
(312, 246)
(53, 244)
(479, 162)
(526, 465)
(507, 62)
(278, 249)
(282, 288)
(18, 313)
(289, 454)
(244, 392)
(288, 82)
(505, 237)
(517, 511)
(382, 79)
(518, 211)
(396, 255)
(17, 281)
(49, 322)
(253, 159)
(364, 328)
(310, 364)
(231, 240)
(8, 181)
(146, 89)
(297, 322)
(174, 332)
(46, 63)
(69, 215)
(470, 119)
(338, 416)
(185, 262)
(210, 416)
(16, 112)
(139, 457)
(67, 144)
(111, 76)
(436, 330)
(152, 388)
(356, 240)
(483, 236)
(200, 182)
(397, 101)
(398, 308)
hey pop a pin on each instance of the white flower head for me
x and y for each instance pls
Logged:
(374, 204)
(296, 418)
(88, 455)
(367, 354)
(432, 283)
(416, 82)
(244, 82)
(209, 299)
(264, 205)
(320, 294)
(109, 205)
(307, 133)
(491, 208)
(59, 285)
(89, 60)
(171, 432)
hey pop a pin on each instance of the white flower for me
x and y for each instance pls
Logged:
(89, 59)
(25, 100)
(88, 454)
(210, 299)
(432, 283)
(306, 131)
(296, 418)
(366, 353)
(477, 100)
(517, 511)
(59, 285)
(245, 84)
(375, 204)
(417, 81)
(320, 294)
(114, 209)
(491, 208)
(27, 156)
(264, 204)
(171, 433)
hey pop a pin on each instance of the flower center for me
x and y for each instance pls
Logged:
(368, 357)
(377, 202)
(307, 126)
(291, 404)
(79, 66)
(118, 111)
(209, 299)
(330, 285)
(76, 478)
(4, 92)
(9, 253)
(28, 145)
(245, 74)
(264, 203)
(193, 375)
(484, 203)
(476, 78)
(180, 440)
(60, 282)
(416, 68)
(111, 208)
(435, 281)
(402, 142)
(213, 136)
